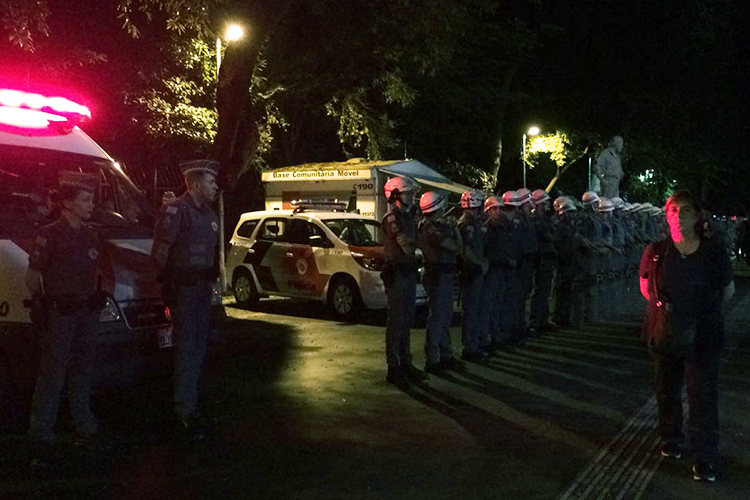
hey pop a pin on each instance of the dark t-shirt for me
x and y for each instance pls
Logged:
(693, 284)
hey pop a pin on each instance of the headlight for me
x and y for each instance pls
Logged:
(371, 263)
(109, 312)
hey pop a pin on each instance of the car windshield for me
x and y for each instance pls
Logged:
(357, 232)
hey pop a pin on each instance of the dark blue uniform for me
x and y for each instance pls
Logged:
(185, 244)
(502, 265)
(440, 277)
(473, 331)
(67, 259)
(544, 272)
(401, 286)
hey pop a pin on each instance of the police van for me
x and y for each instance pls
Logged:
(39, 138)
(315, 251)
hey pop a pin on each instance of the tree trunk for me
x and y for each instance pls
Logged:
(503, 101)
(233, 105)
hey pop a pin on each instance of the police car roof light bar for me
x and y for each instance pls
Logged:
(332, 205)
(58, 106)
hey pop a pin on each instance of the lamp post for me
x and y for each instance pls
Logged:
(233, 33)
(532, 132)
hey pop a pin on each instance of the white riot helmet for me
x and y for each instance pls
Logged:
(397, 185)
(524, 195)
(491, 202)
(511, 198)
(619, 204)
(563, 204)
(645, 207)
(589, 198)
(605, 205)
(431, 201)
(472, 198)
(539, 196)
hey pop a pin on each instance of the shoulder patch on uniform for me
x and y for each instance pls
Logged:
(41, 241)
(214, 226)
(172, 209)
(93, 253)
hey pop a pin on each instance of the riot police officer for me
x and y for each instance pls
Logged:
(544, 271)
(63, 281)
(400, 278)
(441, 245)
(566, 244)
(530, 246)
(514, 295)
(186, 236)
(586, 306)
(499, 241)
(473, 269)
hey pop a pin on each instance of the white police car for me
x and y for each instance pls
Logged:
(330, 256)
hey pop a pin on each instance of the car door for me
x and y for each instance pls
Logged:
(303, 244)
(266, 255)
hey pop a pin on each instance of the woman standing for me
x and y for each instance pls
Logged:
(687, 278)
(63, 275)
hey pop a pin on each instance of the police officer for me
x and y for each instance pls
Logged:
(606, 263)
(496, 282)
(566, 245)
(530, 246)
(62, 278)
(586, 306)
(514, 294)
(441, 244)
(400, 278)
(186, 236)
(544, 271)
(473, 269)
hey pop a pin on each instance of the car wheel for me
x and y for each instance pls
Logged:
(244, 289)
(343, 298)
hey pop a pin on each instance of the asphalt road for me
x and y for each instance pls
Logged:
(303, 412)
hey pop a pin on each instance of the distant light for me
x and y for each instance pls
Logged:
(534, 131)
(234, 33)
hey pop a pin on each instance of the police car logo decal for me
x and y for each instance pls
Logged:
(93, 253)
(214, 226)
(301, 266)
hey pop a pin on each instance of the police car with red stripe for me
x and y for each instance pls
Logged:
(316, 251)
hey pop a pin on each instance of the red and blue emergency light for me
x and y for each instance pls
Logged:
(26, 110)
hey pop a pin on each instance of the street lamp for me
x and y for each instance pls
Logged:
(233, 33)
(532, 132)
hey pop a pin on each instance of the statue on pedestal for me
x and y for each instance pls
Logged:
(608, 168)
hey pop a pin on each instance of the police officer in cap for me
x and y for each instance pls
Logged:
(186, 236)
(63, 281)
(400, 278)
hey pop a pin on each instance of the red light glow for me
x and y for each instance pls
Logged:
(53, 105)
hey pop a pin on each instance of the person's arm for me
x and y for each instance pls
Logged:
(34, 282)
(728, 291)
(166, 231)
(645, 270)
(39, 259)
(643, 282)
